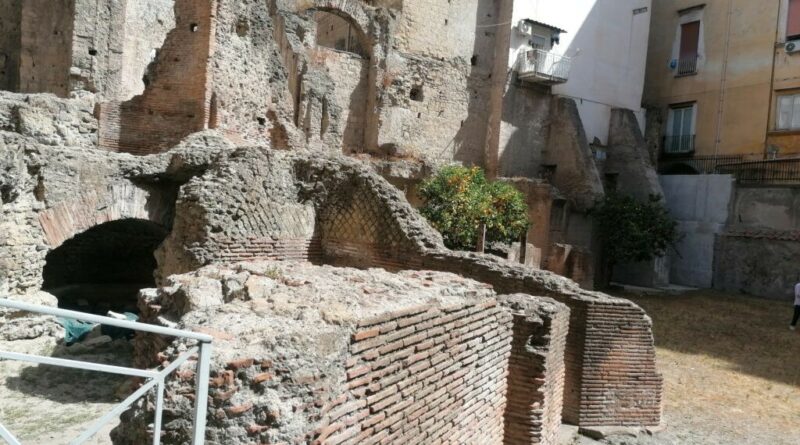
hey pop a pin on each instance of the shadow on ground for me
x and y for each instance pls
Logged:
(66, 385)
(749, 333)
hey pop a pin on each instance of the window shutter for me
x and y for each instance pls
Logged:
(793, 20)
(690, 37)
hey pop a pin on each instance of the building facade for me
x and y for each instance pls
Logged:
(722, 78)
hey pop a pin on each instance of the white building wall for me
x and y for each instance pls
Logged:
(607, 41)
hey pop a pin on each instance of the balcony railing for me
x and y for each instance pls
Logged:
(778, 171)
(682, 144)
(687, 66)
(540, 66)
(704, 165)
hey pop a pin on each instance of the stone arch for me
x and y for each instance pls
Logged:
(104, 267)
(120, 201)
(350, 10)
(352, 97)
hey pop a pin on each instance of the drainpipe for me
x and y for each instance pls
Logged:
(723, 80)
(772, 79)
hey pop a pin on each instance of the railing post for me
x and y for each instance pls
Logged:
(159, 411)
(201, 397)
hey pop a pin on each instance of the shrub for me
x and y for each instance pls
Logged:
(459, 199)
(633, 231)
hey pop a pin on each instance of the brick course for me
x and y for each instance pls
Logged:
(536, 369)
(424, 375)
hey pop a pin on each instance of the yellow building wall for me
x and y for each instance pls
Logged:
(745, 30)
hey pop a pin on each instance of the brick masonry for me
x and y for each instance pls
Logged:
(424, 375)
(536, 369)
(176, 102)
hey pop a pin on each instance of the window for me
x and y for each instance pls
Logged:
(690, 41)
(538, 42)
(680, 130)
(793, 20)
(788, 116)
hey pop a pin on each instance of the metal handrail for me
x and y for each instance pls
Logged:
(687, 65)
(539, 63)
(156, 378)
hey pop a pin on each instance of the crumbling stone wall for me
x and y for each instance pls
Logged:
(244, 193)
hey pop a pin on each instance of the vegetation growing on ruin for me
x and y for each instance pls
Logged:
(459, 199)
(633, 231)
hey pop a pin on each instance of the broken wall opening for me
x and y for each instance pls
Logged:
(343, 52)
(104, 267)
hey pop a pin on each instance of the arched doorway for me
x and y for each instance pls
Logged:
(343, 51)
(104, 267)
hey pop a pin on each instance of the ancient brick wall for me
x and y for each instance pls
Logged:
(176, 100)
(316, 354)
(536, 370)
(425, 375)
(605, 333)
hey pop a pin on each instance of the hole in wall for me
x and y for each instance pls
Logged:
(242, 27)
(261, 121)
(193, 27)
(92, 52)
(104, 267)
(416, 94)
(473, 60)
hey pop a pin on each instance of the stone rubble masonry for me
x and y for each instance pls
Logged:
(536, 369)
(327, 355)
(259, 203)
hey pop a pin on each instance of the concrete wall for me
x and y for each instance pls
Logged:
(700, 204)
(774, 208)
(757, 254)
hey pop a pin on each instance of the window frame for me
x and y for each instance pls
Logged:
(692, 133)
(792, 9)
(795, 112)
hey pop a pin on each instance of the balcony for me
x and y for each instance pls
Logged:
(678, 145)
(687, 66)
(544, 67)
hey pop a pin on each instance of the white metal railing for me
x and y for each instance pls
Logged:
(543, 66)
(687, 66)
(156, 378)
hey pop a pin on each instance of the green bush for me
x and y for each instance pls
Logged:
(633, 231)
(459, 199)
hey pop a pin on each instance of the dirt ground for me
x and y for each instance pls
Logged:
(731, 368)
(45, 405)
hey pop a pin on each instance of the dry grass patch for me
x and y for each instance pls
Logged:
(731, 367)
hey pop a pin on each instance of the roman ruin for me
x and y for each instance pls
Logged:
(247, 169)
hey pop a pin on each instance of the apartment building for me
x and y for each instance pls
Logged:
(723, 81)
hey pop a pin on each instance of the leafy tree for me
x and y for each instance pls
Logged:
(459, 199)
(632, 231)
